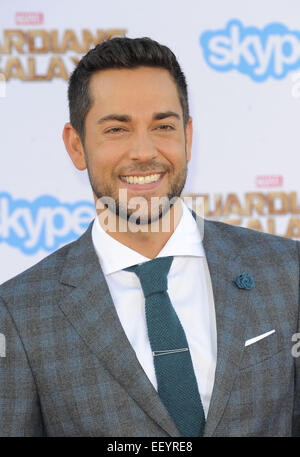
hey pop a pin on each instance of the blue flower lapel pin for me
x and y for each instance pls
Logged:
(245, 281)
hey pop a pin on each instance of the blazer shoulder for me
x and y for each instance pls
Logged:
(241, 239)
(45, 271)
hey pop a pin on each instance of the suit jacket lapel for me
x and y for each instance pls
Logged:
(90, 309)
(231, 304)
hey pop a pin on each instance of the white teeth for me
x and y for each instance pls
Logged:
(141, 179)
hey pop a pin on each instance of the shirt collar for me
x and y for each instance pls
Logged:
(115, 256)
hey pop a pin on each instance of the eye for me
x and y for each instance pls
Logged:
(165, 127)
(115, 130)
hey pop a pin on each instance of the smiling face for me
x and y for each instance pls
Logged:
(135, 137)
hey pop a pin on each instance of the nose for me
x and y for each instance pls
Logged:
(142, 148)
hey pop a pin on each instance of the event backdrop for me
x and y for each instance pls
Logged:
(242, 63)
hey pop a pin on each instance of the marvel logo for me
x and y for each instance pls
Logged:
(269, 181)
(29, 18)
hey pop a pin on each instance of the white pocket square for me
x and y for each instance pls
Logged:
(259, 337)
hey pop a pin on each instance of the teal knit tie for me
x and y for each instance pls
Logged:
(176, 381)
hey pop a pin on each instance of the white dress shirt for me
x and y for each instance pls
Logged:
(189, 288)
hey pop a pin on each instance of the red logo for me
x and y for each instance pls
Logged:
(29, 18)
(269, 181)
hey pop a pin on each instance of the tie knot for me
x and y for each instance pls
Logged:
(153, 274)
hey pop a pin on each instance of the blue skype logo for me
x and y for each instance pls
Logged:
(259, 53)
(45, 223)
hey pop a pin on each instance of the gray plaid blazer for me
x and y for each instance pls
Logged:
(69, 369)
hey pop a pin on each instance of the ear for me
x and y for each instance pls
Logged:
(74, 146)
(189, 138)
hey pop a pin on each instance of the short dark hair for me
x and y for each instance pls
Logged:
(120, 53)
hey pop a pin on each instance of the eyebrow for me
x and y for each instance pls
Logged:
(160, 116)
(127, 118)
(115, 117)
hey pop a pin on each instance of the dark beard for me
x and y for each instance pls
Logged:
(125, 213)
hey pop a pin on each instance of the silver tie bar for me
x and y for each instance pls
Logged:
(169, 351)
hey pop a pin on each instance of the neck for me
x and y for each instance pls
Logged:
(147, 239)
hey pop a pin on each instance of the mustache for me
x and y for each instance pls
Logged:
(144, 167)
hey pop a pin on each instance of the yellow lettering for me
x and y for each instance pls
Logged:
(14, 69)
(232, 206)
(254, 224)
(293, 230)
(54, 41)
(88, 39)
(13, 39)
(74, 59)
(217, 211)
(232, 221)
(110, 33)
(271, 226)
(57, 69)
(32, 47)
(254, 201)
(282, 198)
(293, 202)
(70, 42)
(32, 76)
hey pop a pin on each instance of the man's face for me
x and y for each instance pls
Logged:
(135, 138)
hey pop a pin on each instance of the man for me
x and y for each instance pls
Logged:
(140, 327)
